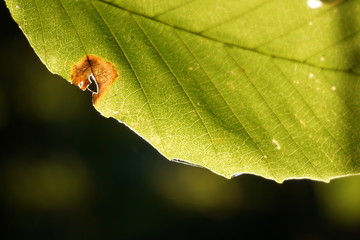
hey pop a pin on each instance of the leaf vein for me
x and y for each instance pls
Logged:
(133, 70)
(312, 112)
(226, 103)
(273, 112)
(175, 77)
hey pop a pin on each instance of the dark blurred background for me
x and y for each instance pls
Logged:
(68, 173)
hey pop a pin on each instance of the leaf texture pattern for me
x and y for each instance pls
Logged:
(268, 87)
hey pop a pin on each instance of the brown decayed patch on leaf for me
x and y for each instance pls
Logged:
(103, 72)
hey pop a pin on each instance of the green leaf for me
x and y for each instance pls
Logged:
(268, 87)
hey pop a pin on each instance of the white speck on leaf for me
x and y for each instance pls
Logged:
(314, 4)
(322, 59)
(17, 6)
(190, 68)
(277, 145)
(333, 88)
(311, 75)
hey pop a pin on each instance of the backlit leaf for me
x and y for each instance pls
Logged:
(268, 87)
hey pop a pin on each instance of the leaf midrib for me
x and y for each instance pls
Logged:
(230, 44)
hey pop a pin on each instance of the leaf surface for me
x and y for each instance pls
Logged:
(268, 87)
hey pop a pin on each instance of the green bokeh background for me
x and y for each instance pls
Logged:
(66, 172)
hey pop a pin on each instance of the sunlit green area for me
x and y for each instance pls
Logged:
(66, 172)
(263, 87)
